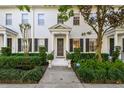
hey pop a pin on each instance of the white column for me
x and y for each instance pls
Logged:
(52, 38)
(5, 40)
(32, 44)
(67, 42)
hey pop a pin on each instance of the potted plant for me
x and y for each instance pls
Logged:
(68, 57)
(50, 57)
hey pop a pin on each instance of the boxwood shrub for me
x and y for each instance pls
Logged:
(22, 54)
(33, 75)
(14, 61)
(6, 51)
(42, 53)
(10, 75)
(85, 56)
(102, 72)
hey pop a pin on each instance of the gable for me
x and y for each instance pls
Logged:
(59, 26)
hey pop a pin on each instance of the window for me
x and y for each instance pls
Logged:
(8, 19)
(59, 20)
(76, 43)
(76, 19)
(24, 18)
(40, 19)
(90, 45)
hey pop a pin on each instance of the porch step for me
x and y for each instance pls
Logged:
(59, 62)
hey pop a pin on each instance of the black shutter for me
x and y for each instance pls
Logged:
(71, 45)
(35, 45)
(87, 45)
(46, 44)
(111, 45)
(81, 45)
(19, 44)
(30, 45)
(9, 42)
(123, 44)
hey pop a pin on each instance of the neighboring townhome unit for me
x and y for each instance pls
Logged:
(53, 33)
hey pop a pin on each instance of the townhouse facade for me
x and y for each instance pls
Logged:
(50, 31)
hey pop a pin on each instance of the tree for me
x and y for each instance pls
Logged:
(25, 30)
(24, 7)
(101, 18)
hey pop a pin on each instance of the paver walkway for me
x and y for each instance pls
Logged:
(59, 77)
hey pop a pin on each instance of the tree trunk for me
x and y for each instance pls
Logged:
(99, 48)
(25, 48)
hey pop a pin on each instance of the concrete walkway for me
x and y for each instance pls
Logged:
(59, 77)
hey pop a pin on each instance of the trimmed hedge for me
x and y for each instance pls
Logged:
(6, 51)
(91, 71)
(22, 54)
(33, 75)
(17, 75)
(15, 61)
(85, 56)
(42, 53)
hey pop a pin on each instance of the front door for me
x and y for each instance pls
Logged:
(60, 47)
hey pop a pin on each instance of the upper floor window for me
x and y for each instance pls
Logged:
(8, 19)
(41, 19)
(76, 19)
(24, 18)
(59, 20)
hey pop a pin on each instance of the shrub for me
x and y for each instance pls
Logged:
(68, 56)
(115, 54)
(10, 74)
(92, 70)
(86, 74)
(115, 74)
(85, 56)
(33, 75)
(76, 54)
(50, 56)
(22, 75)
(15, 61)
(22, 54)
(42, 53)
(6, 51)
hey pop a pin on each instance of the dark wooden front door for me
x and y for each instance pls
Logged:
(60, 47)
